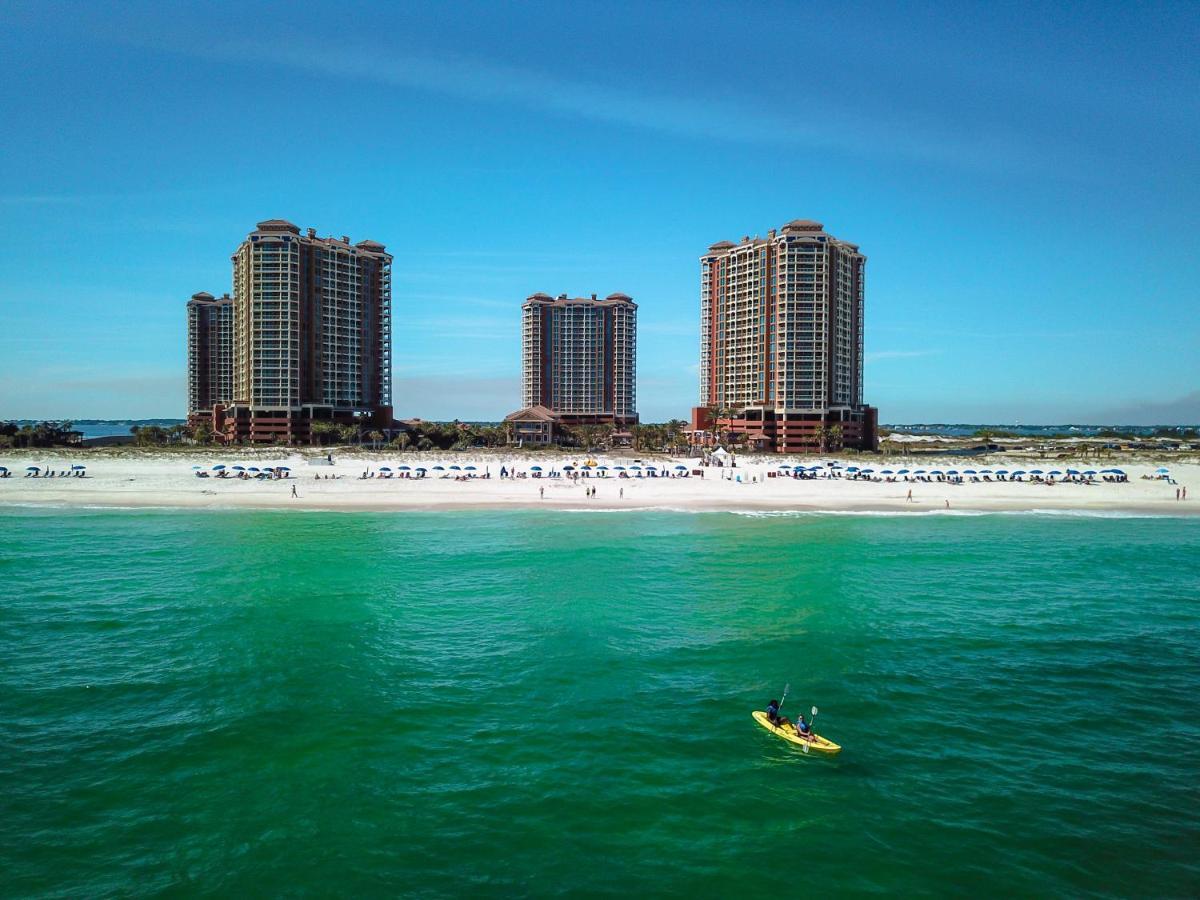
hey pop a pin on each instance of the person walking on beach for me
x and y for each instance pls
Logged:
(622, 493)
(1176, 493)
(947, 504)
(910, 499)
(541, 493)
(294, 494)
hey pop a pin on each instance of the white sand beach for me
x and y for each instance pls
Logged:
(142, 480)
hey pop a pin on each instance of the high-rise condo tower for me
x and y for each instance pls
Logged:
(578, 364)
(781, 341)
(209, 355)
(312, 334)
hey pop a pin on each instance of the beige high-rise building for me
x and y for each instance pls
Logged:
(209, 355)
(311, 333)
(781, 340)
(578, 363)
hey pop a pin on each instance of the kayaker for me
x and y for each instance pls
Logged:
(773, 715)
(773, 712)
(802, 729)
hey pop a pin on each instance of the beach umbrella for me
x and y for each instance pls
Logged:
(886, 472)
(252, 469)
(439, 468)
(32, 469)
(1072, 471)
(618, 468)
(795, 468)
(1018, 472)
(568, 468)
(936, 472)
(920, 472)
(1090, 472)
(952, 471)
(239, 468)
(601, 468)
(1162, 470)
(5, 468)
(404, 469)
(468, 468)
(535, 468)
(456, 468)
(635, 468)
(420, 469)
(681, 468)
(998, 471)
(283, 468)
(970, 472)
(384, 469)
(1054, 472)
(194, 468)
(850, 468)
(814, 468)
(1036, 472)
(902, 471)
(867, 471)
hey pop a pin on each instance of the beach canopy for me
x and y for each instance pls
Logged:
(218, 468)
(405, 469)
(468, 468)
(970, 472)
(32, 469)
(1054, 472)
(618, 468)
(456, 468)
(1161, 470)
(998, 471)
(1018, 472)
(239, 468)
(384, 469)
(851, 468)
(681, 468)
(535, 468)
(1072, 471)
(867, 471)
(568, 468)
(902, 471)
(1090, 472)
(886, 472)
(1036, 472)
(252, 469)
(439, 468)
(936, 472)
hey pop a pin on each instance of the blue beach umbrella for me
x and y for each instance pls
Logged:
(1090, 472)
(239, 468)
(867, 472)
(1054, 472)
(886, 472)
(795, 468)
(384, 469)
(618, 468)
(283, 468)
(568, 468)
(535, 468)
(456, 468)
(681, 468)
(468, 468)
(998, 472)
(1072, 471)
(218, 468)
(1019, 472)
(252, 469)
(1036, 472)
(851, 468)
(902, 471)
(1162, 470)
(420, 469)
(601, 468)
(404, 469)
(936, 472)
(920, 472)
(635, 468)
(32, 469)
(439, 468)
(970, 472)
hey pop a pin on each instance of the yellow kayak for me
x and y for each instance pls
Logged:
(816, 742)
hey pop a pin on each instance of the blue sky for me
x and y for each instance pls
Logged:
(1023, 179)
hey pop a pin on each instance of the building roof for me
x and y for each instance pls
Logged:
(618, 296)
(532, 414)
(202, 295)
(803, 225)
(278, 225)
(372, 246)
(721, 245)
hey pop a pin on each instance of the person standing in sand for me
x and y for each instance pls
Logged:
(910, 499)
(294, 494)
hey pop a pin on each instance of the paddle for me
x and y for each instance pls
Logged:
(811, 733)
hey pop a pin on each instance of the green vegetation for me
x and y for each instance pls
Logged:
(41, 434)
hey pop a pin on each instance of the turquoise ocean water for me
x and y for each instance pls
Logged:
(529, 703)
